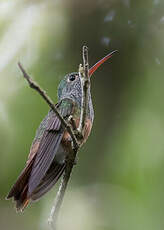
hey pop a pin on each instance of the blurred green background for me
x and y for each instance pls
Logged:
(118, 181)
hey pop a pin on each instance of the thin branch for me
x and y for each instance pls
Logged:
(84, 77)
(35, 86)
(73, 123)
(52, 220)
(85, 82)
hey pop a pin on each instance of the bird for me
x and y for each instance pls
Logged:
(52, 143)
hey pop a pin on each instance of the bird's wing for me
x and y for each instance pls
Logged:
(48, 146)
(49, 180)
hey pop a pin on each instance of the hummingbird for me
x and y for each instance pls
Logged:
(47, 158)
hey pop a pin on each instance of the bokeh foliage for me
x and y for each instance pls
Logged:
(118, 182)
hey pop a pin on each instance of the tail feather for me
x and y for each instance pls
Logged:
(23, 201)
(20, 188)
(19, 191)
(48, 181)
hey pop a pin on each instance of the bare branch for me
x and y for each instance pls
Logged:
(85, 82)
(35, 86)
(52, 220)
(84, 76)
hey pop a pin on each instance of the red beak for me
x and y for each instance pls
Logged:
(96, 66)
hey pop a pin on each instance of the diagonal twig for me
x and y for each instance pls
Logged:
(35, 86)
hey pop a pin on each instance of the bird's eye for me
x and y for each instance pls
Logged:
(72, 78)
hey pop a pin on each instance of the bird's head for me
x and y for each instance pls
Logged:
(70, 85)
